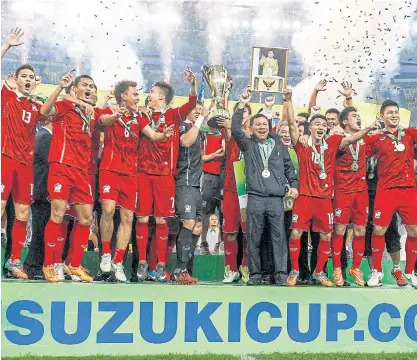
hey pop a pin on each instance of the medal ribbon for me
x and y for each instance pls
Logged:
(127, 125)
(265, 150)
(161, 116)
(320, 157)
(85, 119)
(393, 137)
(372, 164)
(355, 152)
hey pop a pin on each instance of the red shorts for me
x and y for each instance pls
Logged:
(231, 213)
(120, 188)
(16, 178)
(389, 201)
(309, 210)
(69, 183)
(71, 209)
(352, 206)
(156, 195)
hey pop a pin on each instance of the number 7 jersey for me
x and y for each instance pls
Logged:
(19, 117)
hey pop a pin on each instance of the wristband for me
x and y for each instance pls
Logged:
(349, 98)
(199, 122)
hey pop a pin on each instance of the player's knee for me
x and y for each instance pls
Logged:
(411, 230)
(231, 237)
(3, 207)
(107, 211)
(143, 219)
(188, 224)
(380, 230)
(325, 236)
(57, 213)
(160, 220)
(339, 229)
(85, 219)
(22, 212)
(126, 217)
(359, 230)
(296, 234)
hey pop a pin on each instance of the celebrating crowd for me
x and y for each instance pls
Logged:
(166, 172)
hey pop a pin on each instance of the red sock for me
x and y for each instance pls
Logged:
(52, 233)
(18, 238)
(161, 235)
(230, 253)
(105, 247)
(142, 239)
(245, 251)
(337, 244)
(411, 253)
(118, 255)
(322, 255)
(294, 253)
(358, 247)
(378, 245)
(81, 234)
(60, 242)
(71, 245)
(152, 254)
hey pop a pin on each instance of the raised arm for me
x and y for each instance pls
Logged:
(321, 86)
(191, 135)
(357, 136)
(102, 103)
(48, 108)
(294, 133)
(13, 39)
(184, 110)
(347, 93)
(241, 139)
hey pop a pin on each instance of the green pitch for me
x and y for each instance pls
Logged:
(275, 356)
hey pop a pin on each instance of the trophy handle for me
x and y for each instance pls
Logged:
(205, 71)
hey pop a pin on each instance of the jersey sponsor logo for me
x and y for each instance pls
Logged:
(187, 208)
(60, 239)
(2, 188)
(106, 189)
(338, 213)
(294, 218)
(57, 187)
(51, 245)
(383, 138)
(377, 214)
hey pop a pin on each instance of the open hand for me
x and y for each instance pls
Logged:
(13, 39)
(66, 80)
(143, 111)
(293, 192)
(321, 86)
(269, 101)
(315, 110)
(287, 94)
(87, 109)
(189, 75)
(169, 131)
(246, 96)
(347, 89)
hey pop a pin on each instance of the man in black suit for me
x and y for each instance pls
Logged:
(41, 208)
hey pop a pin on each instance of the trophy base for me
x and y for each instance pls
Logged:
(213, 122)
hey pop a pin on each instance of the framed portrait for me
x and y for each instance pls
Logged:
(269, 69)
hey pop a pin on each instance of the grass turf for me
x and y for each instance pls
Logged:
(274, 356)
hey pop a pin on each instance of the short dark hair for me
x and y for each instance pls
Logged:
(256, 116)
(167, 90)
(68, 88)
(24, 67)
(247, 106)
(317, 116)
(345, 114)
(305, 115)
(333, 111)
(78, 79)
(121, 87)
(386, 104)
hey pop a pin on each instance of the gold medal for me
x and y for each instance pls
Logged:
(354, 167)
(371, 176)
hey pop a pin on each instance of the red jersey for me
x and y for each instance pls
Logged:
(212, 143)
(71, 137)
(95, 147)
(310, 183)
(395, 168)
(120, 152)
(160, 158)
(346, 180)
(19, 116)
(232, 154)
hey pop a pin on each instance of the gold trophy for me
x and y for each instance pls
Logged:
(216, 77)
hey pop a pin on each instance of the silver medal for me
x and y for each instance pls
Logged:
(266, 174)
(322, 175)
(371, 176)
(400, 147)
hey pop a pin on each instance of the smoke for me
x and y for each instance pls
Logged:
(358, 41)
(103, 33)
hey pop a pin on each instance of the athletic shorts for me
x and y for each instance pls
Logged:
(400, 200)
(188, 203)
(352, 207)
(317, 212)
(156, 195)
(210, 193)
(69, 183)
(123, 189)
(71, 209)
(231, 213)
(16, 178)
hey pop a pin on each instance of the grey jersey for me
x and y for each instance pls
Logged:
(189, 165)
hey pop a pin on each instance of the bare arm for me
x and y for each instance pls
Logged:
(48, 108)
(357, 136)
(210, 157)
(321, 86)
(294, 133)
(191, 135)
(102, 103)
(347, 93)
(13, 39)
(157, 136)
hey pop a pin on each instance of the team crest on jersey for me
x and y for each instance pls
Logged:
(383, 138)
(106, 189)
(377, 214)
(338, 213)
(34, 108)
(294, 218)
(188, 208)
(57, 187)
(2, 188)
(204, 203)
